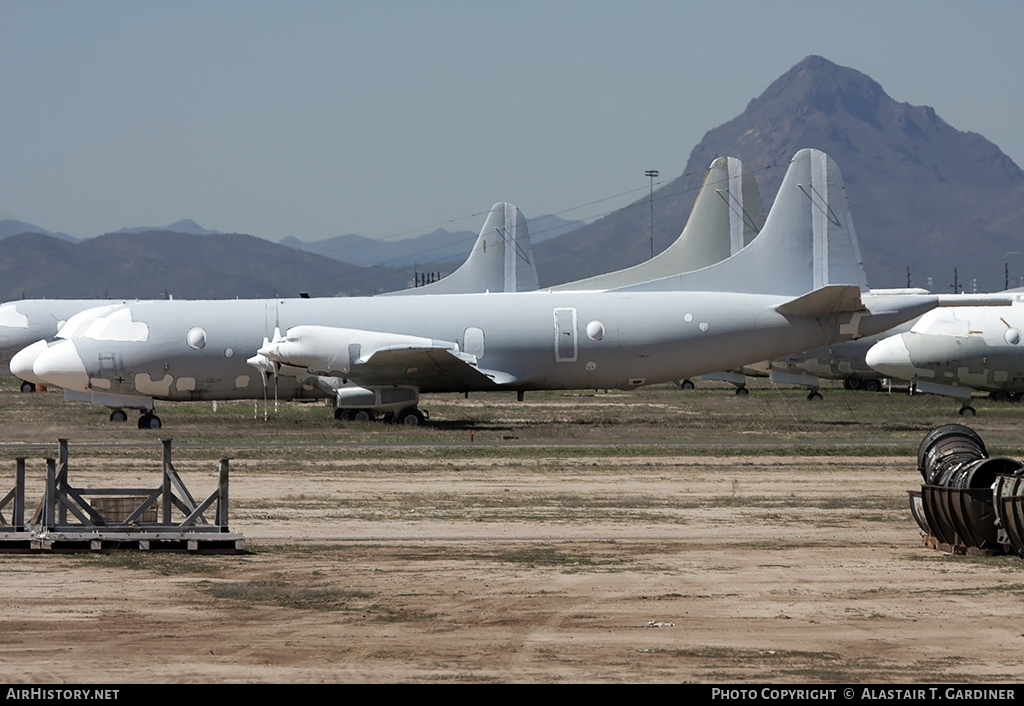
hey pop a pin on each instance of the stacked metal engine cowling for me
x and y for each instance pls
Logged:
(969, 502)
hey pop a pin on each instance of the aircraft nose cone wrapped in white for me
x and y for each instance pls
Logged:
(61, 366)
(23, 360)
(891, 357)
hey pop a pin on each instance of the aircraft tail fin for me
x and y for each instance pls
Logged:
(501, 259)
(809, 224)
(742, 200)
(725, 217)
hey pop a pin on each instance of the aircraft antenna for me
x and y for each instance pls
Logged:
(733, 203)
(507, 237)
(820, 202)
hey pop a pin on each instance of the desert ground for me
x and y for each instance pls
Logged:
(658, 535)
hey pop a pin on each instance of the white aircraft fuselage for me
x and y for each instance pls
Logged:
(29, 320)
(191, 350)
(954, 350)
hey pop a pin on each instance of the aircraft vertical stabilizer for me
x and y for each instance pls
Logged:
(808, 239)
(725, 217)
(501, 259)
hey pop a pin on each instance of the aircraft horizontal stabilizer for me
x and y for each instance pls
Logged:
(995, 299)
(831, 299)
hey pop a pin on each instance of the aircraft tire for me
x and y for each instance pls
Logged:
(687, 385)
(814, 396)
(362, 415)
(742, 391)
(967, 411)
(119, 415)
(149, 421)
(339, 413)
(871, 385)
(411, 417)
(28, 386)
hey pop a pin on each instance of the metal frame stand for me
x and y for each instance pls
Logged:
(81, 519)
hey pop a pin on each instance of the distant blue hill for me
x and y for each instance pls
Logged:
(438, 246)
(12, 227)
(187, 226)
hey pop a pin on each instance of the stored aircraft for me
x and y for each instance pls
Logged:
(29, 320)
(501, 260)
(954, 351)
(726, 215)
(843, 361)
(800, 284)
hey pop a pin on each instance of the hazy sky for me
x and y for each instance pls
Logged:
(315, 119)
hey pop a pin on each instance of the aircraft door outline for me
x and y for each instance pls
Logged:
(473, 342)
(566, 340)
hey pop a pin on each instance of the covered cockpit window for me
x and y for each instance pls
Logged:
(116, 325)
(76, 325)
(943, 322)
(10, 317)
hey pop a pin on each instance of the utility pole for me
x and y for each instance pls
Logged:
(651, 173)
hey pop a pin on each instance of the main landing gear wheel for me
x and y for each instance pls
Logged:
(119, 415)
(872, 385)
(687, 385)
(411, 417)
(814, 396)
(742, 391)
(149, 421)
(967, 411)
(354, 415)
(28, 387)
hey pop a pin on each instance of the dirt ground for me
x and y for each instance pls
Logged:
(655, 536)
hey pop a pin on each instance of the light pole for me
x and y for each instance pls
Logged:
(651, 173)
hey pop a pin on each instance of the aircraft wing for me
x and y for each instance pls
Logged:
(375, 358)
(426, 368)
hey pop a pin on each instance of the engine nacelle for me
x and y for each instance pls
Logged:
(328, 350)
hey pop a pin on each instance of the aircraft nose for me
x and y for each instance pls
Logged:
(61, 366)
(891, 357)
(23, 360)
